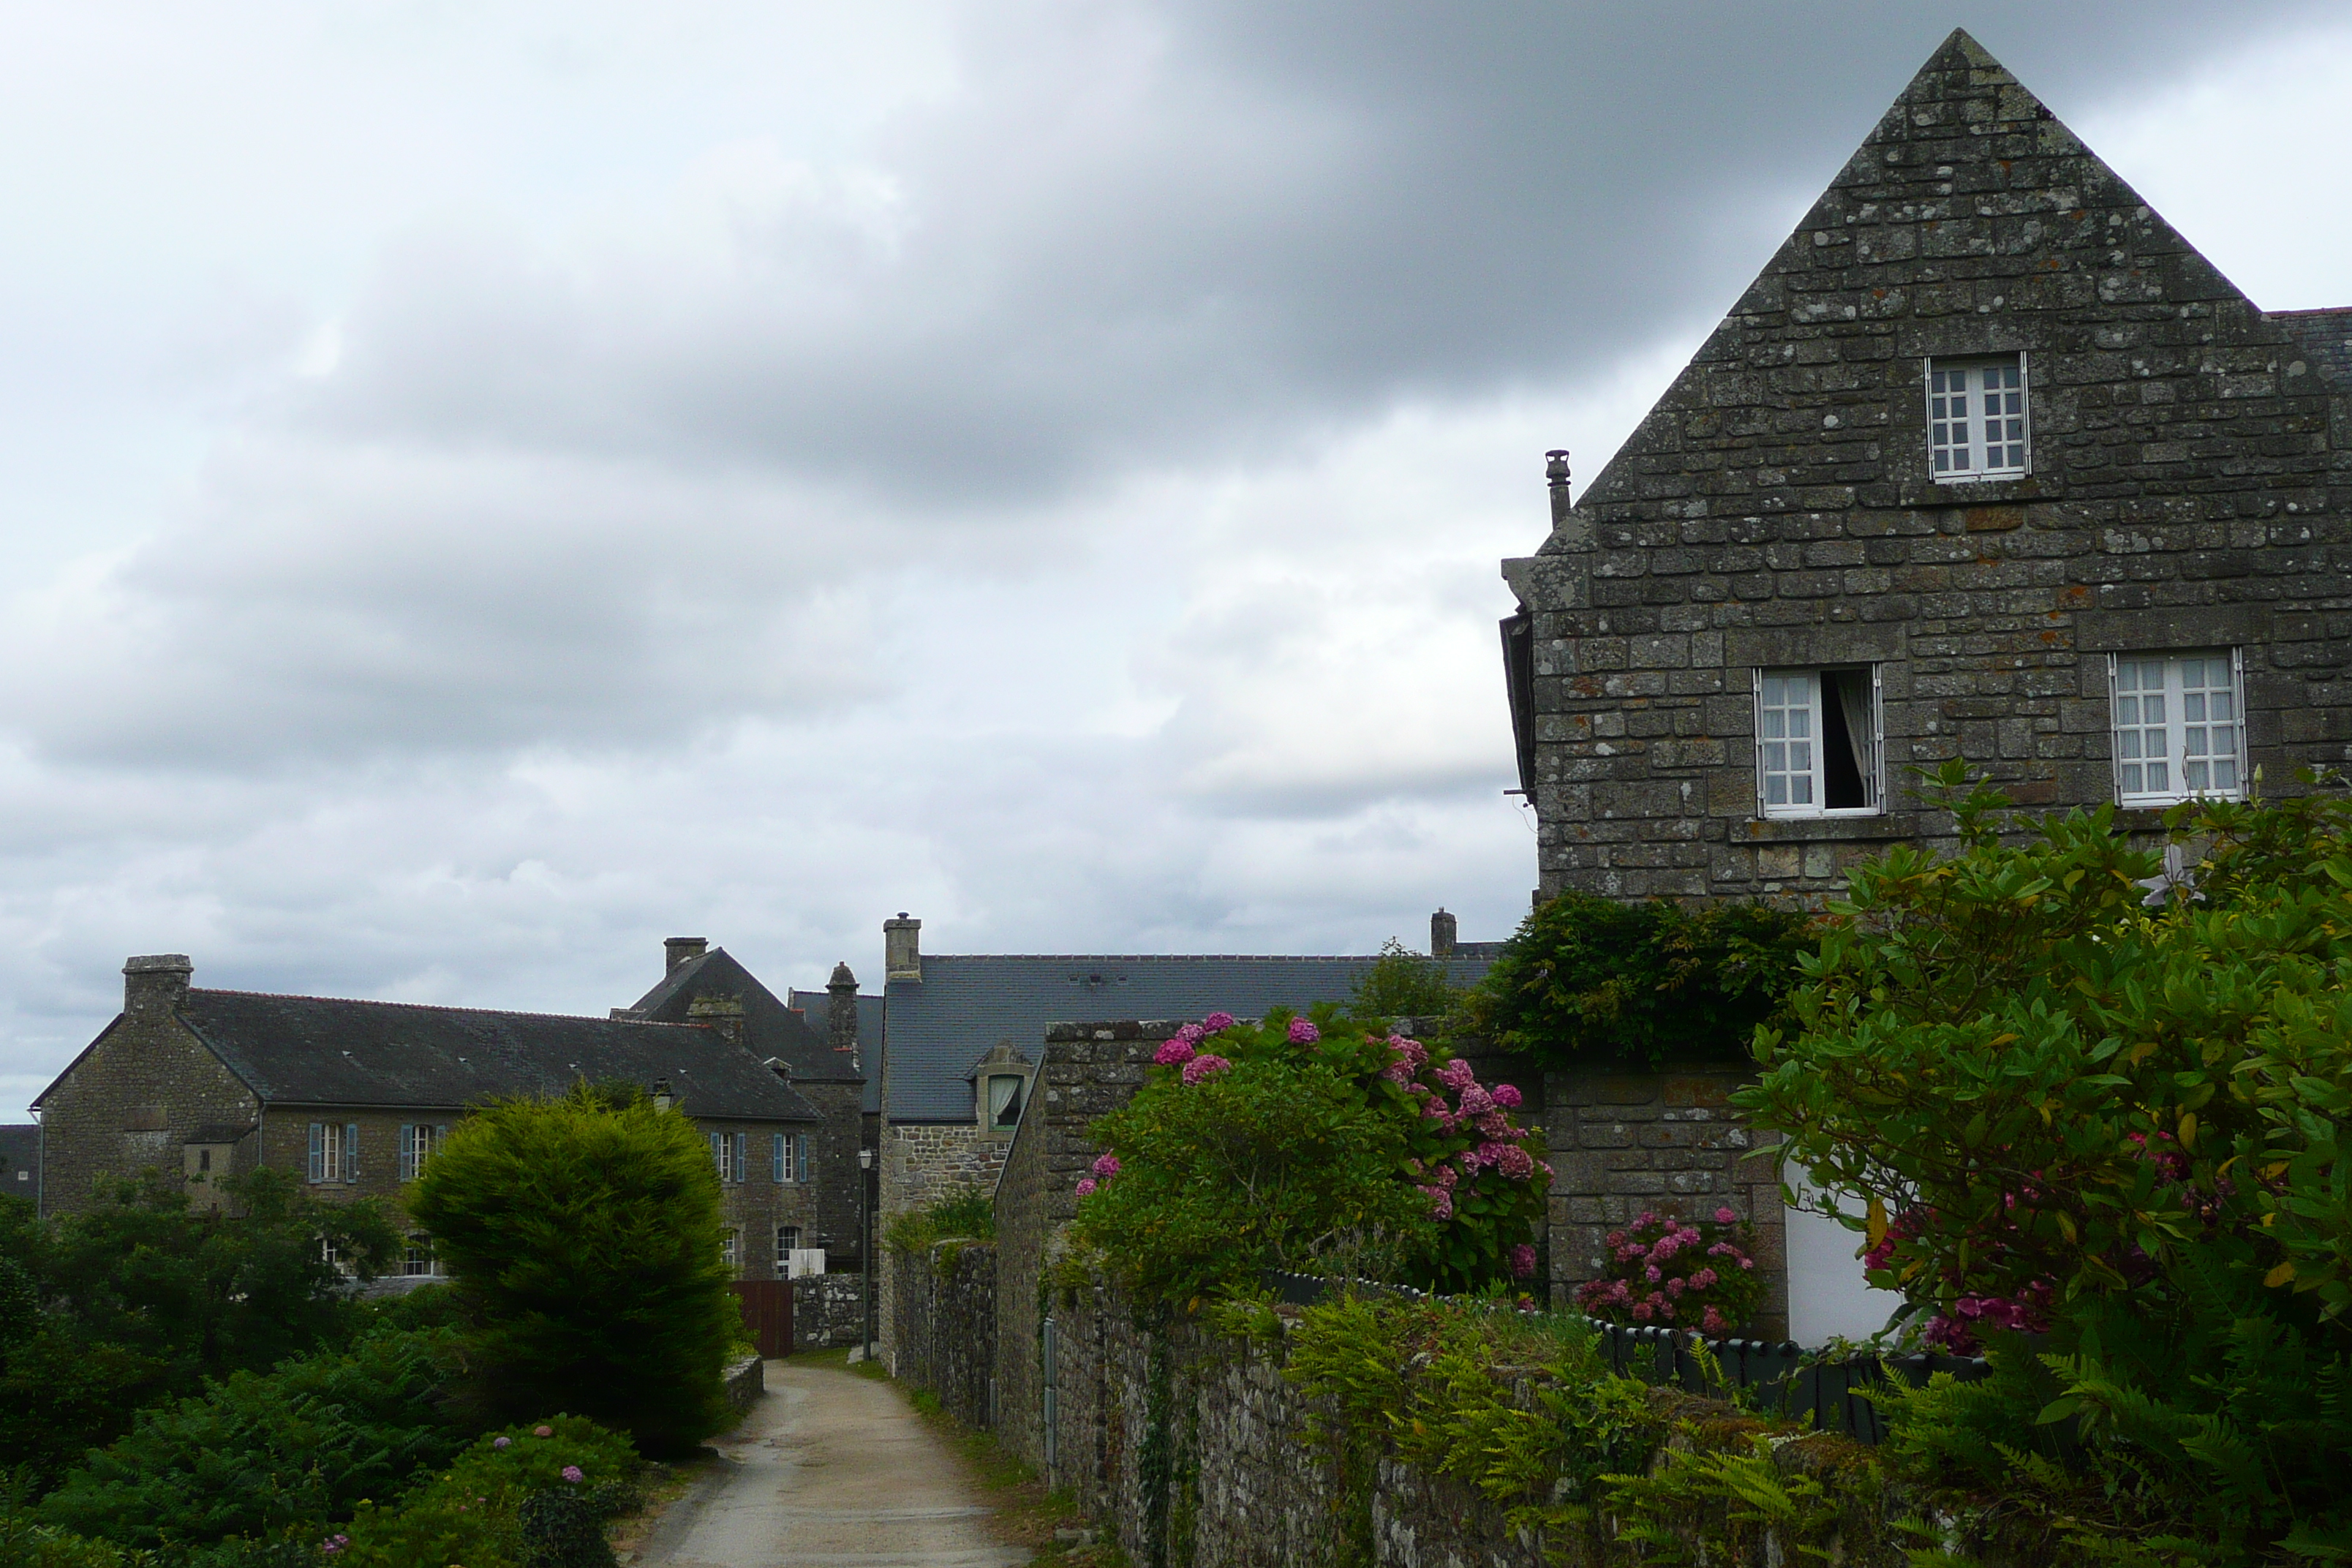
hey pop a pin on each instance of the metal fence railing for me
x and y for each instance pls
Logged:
(1777, 1376)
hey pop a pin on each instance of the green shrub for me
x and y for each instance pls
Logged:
(258, 1455)
(2070, 1095)
(967, 1213)
(583, 1236)
(137, 1301)
(1402, 984)
(1591, 980)
(1310, 1145)
(537, 1495)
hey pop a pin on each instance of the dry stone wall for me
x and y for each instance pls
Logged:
(825, 1311)
(946, 1311)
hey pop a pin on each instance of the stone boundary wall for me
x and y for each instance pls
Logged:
(1625, 1142)
(825, 1311)
(946, 1307)
(746, 1381)
(1241, 1484)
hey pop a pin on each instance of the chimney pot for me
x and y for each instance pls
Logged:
(677, 949)
(902, 949)
(154, 986)
(1442, 933)
(1556, 472)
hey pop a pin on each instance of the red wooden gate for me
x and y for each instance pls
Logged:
(768, 1312)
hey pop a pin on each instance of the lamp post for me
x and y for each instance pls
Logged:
(864, 1259)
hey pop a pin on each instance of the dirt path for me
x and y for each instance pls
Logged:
(830, 1469)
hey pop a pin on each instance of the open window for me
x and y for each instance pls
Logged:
(1820, 743)
(2180, 726)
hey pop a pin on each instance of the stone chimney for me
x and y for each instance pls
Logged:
(902, 949)
(1556, 471)
(154, 986)
(724, 1014)
(680, 950)
(1441, 935)
(841, 1011)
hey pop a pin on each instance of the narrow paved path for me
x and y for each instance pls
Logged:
(830, 1469)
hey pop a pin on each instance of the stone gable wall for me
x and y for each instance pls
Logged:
(2192, 476)
(131, 1104)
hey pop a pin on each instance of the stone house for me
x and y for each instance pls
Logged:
(1988, 463)
(963, 1035)
(822, 1061)
(20, 1162)
(354, 1096)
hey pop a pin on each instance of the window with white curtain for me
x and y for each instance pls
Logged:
(1977, 418)
(2180, 726)
(1820, 743)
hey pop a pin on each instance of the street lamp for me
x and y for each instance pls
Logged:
(864, 1259)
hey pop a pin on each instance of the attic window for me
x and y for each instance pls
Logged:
(1004, 1101)
(1977, 418)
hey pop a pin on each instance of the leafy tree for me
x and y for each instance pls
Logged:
(1300, 1143)
(966, 1212)
(1402, 984)
(1591, 980)
(138, 1299)
(2078, 1091)
(582, 1237)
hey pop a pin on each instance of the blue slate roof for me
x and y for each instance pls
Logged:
(966, 1005)
(816, 1008)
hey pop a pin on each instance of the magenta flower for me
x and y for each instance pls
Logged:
(1514, 1162)
(1399, 1072)
(1190, 1033)
(1713, 1322)
(1475, 1102)
(1508, 1098)
(1440, 1204)
(1448, 1175)
(1412, 1051)
(1106, 1166)
(1303, 1033)
(1653, 1274)
(1085, 1186)
(1216, 1023)
(502, 1443)
(1644, 1310)
(1174, 1054)
(1458, 1075)
(1724, 1216)
(1523, 1261)
(571, 1473)
(542, 1431)
(1202, 1066)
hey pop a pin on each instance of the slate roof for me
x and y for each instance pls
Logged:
(966, 1004)
(815, 1007)
(318, 1050)
(770, 1028)
(20, 1150)
(2326, 335)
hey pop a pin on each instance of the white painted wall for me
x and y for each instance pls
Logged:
(1827, 1297)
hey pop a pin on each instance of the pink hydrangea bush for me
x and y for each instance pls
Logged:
(1473, 1179)
(1669, 1272)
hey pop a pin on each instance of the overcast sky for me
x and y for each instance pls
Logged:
(486, 486)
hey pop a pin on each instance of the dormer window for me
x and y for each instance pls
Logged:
(1977, 418)
(1004, 1101)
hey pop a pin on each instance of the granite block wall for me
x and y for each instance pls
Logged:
(1622, 1142)
(921, 1163)
(2190, 489)
(827, 1308)
(946, 1327)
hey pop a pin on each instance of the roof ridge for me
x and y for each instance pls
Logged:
(435, 1007)
(1163, 957)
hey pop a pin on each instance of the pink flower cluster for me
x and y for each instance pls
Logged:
(1956, 1330)
(571, 1473)
(1303, 1033)
(1666, 1271)
(1106, 1166)
(1202, 1066)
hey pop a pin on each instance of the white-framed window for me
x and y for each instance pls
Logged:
(1005, 1100)
(727, 1151)
(416, 1259)
(1820, 743)
(786, 1157)
(334, 1151)
(418, 1140)
(2180, 725)
(788, 1241)
(1977, 418)
(730, 1251)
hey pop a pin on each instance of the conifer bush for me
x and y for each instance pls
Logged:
(582, 1237)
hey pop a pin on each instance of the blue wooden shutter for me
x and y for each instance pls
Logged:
(407, 1151)
(317, 1150)
(743, 1153)
(352, 1152)
(776, 1160)
(801, 1153)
